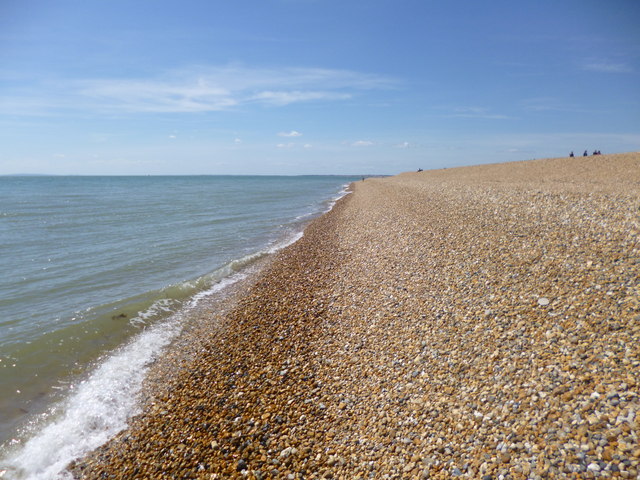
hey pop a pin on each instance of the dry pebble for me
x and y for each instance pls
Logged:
(477, 322)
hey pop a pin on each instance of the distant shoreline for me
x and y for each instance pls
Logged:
(190, 175)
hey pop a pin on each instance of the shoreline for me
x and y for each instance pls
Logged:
(103, 286)
(453, 323)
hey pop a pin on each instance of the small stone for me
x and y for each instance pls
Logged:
(543, 301)
(242, 465)
(287, 452)
(594, 467)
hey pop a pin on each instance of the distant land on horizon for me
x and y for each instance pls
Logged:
(367, 175)
(29, 175)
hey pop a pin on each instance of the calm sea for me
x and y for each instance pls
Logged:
(97, 274)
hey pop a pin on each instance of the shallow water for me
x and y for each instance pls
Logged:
(98, 275)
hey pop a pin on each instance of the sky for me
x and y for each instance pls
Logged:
(190, 87)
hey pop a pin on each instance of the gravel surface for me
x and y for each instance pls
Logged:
(479, 322)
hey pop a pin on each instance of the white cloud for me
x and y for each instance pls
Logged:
(362, 143)
(285, 145)
(476, 112)
(542, 104)
(237, 141)
(157, 96)
(607, 67)
(281, 98)
(292, 133)
(403, 145)
(220, 88)
(551, 104)
(308, 145)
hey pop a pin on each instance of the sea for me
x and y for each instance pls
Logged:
(98, 276)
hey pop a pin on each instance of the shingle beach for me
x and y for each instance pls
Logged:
(479, 322)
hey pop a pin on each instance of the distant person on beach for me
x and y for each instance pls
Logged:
(571, 154)
(585, 154)
(419, 170)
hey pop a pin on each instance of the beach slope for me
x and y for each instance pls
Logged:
(459, 323)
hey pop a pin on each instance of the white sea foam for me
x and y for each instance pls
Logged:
(285, 243)
(338, 196)
(100, 406)
(164, 305)
(97, 410)
(297, 236)
(221, 285)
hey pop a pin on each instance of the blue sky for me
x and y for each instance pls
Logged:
(312, 86)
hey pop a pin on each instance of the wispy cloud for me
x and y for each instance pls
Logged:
(292, 133)
(606, 67)
(550, 104)
(476, 112)
(280, 98)
(540, 104)
(362, 143)
(155, 96)
(198, 89)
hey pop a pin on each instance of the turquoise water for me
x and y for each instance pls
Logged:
(97, 275)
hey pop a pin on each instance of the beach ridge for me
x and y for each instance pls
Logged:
(459, 323)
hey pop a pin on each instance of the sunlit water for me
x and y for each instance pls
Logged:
(99, 274)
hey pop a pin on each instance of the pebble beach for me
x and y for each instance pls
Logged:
(477, 322)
